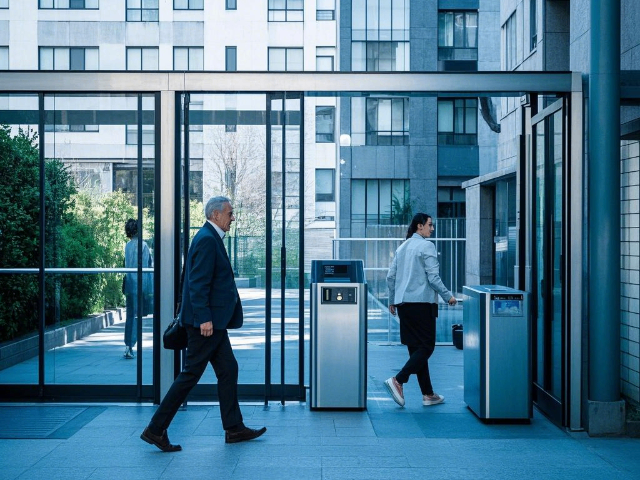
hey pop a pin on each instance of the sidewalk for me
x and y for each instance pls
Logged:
(385, 442)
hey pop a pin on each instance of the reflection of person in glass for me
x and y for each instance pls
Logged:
(130, 286)
(414, 297)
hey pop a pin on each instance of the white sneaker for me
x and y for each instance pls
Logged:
(395, 389)
(128, 353)
(432, 399)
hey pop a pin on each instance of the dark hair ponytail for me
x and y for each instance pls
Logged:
(418, 219)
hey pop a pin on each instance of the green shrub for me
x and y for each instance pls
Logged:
(80, 232)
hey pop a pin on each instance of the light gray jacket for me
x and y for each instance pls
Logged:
(416, 268)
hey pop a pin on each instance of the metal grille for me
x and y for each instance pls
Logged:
(44, 421)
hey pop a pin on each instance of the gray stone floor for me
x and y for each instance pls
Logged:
(385, 442)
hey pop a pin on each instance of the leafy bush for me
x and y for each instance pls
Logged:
(80, 232)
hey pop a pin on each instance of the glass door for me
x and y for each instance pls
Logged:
(549, 321)
(247, 147)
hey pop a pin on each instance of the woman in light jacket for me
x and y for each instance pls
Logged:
(414, 297)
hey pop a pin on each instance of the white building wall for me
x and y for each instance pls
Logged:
(630, 270)
(24, 28)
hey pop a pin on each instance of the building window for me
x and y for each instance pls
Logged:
(188, 4)
(125, 179)
(74, 58)
(458, 121)
(142, 10)
(231, 5)
(380, 36)
(510, 42)
(142, 58)
(286, 10)
(325, 9)
(379, 202)
(451, 203)
(380, 56)
(231, 59)
(285, 60)
(65, 127)
(4, 3)
(324, 59)
(387, 121)
(325, 185)
(4, 58)
(188, 58)
(458, 36)
(66, 4)
(325, 124)
(533, 25)
(148, 135)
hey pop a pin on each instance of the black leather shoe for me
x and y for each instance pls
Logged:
(160, 441)
(243, 435)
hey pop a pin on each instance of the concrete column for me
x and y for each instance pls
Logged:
(606, 411)
(479, 242)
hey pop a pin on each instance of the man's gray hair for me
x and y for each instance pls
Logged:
(215, 203)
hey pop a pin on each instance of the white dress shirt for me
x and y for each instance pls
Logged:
(416, 268)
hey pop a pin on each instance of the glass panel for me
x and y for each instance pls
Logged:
(61, 59)
(472, 30)
(325, 185)
(180, 4)
(232, 163)
(4, 58)
(358, 203)
(372, 20)
(196, 59)
(134, 59)
(86, 228)
(385, 20)
(230, 61)
(19, 217)
(276, 59)
(385, 202)
(323, 64)
(555, 156)
(539, 222)
(471, 113)
(294, 60)
(91, 61)
(150, 59)
(180, 59)
(46, 58)
(358, 20)
(445, 116)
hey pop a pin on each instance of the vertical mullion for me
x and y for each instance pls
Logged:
(283, 245)
(269, 252)
(187, 209)
(301, 253)
(41, 252)
(156, 241)
(140, 232)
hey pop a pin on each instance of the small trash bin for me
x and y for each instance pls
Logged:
(338, 335)
(497, 352)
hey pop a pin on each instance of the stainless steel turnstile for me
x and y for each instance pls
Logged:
(497, 352)
(338, 373)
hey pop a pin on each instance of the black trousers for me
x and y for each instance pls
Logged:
(418, 332)
(201, 350)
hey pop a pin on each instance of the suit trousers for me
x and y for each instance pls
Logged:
(201, 350)
(418, 319)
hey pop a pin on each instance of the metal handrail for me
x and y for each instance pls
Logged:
(64, 271)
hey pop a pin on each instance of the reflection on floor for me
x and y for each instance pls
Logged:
(98, 358)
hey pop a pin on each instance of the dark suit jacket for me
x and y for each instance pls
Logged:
(209, 292)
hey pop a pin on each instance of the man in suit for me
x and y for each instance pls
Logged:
(210, 306)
